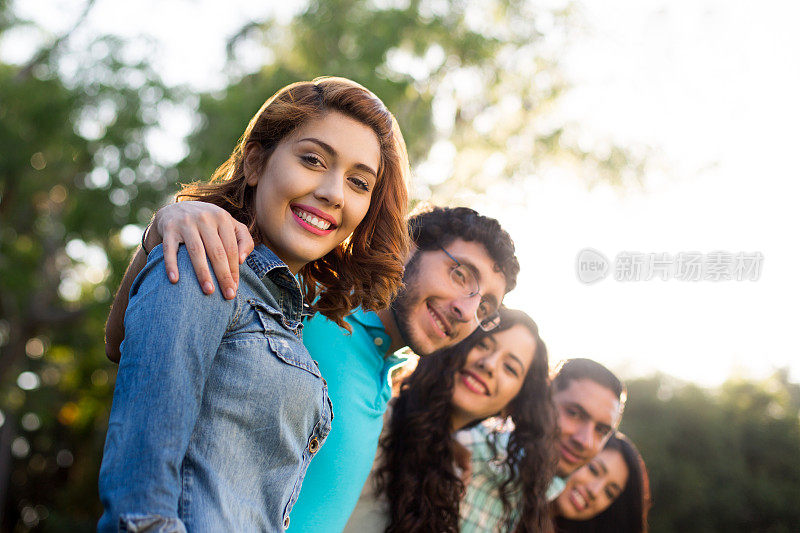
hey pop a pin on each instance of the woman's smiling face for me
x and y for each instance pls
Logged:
(594, 486)
(493, 374)
(315, 188)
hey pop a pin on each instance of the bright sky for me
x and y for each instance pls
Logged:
(712, 85)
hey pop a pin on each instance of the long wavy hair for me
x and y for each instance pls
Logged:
(366, 269)
(628, 513)
(417, 473)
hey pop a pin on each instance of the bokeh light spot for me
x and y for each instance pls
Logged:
(31, 422)
(20, 447)
(68, 413)
(38, 161)
(34, 348)
(64, 458)
(28, 381)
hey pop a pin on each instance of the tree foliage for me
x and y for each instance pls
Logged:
(719, 460)
(74, 170)
(476, 79)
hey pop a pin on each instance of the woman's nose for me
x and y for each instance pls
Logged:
(593, 489)
(488, 363)
(331, 189)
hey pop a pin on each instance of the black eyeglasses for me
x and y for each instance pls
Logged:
(487, 315)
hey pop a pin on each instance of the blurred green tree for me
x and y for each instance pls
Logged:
(721, 460)
(473, 86)
(75, 169)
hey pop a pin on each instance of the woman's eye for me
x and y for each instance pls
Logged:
(609, 494)
(511, 369)
(593, 469)
(360, 183)
(312, 160)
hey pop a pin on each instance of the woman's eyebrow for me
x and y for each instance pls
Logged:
(333, 153)
(602, 465)
(518, 360)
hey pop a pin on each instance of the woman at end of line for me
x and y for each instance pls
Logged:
(610, 494)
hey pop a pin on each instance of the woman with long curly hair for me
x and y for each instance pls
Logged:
(418, 481)
(610, 494)
(218, 407)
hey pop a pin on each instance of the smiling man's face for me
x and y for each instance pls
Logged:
(432, 312)
(587, 414)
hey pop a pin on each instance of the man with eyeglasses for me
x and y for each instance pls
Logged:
(461, 266)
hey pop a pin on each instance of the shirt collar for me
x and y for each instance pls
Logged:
(265, 263)
(372, 323)
(368, 319)
(262, 260)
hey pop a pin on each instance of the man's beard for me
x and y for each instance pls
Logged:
(402, 304)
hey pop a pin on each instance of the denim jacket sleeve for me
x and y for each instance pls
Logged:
(172, 334)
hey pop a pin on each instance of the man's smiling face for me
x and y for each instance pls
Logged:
(587, 414)
(433, 312)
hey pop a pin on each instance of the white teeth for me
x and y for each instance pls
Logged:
(475, 383)
(438, 322)
(579, 499)
(311, 219)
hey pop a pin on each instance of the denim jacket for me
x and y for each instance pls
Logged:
(218, 407)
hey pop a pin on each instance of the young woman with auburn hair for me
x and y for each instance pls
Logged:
(218, 407)
(417, 482)
(366, 268)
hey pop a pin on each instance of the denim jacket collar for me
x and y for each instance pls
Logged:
(269, 267)
(265, 263)
(263, 260)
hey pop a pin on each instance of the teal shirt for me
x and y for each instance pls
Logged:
(359, 387)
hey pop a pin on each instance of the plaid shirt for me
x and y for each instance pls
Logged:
(481, 509)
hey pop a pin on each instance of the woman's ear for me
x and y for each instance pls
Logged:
(253, 162)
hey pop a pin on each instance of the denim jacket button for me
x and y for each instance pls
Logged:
(313, 446)
(286, 522)
(378, 341)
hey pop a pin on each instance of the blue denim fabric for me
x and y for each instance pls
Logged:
(218, 407)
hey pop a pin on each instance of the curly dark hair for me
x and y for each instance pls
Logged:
(628, 513)
(366, 269)
(434, 227)
(417, 475)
